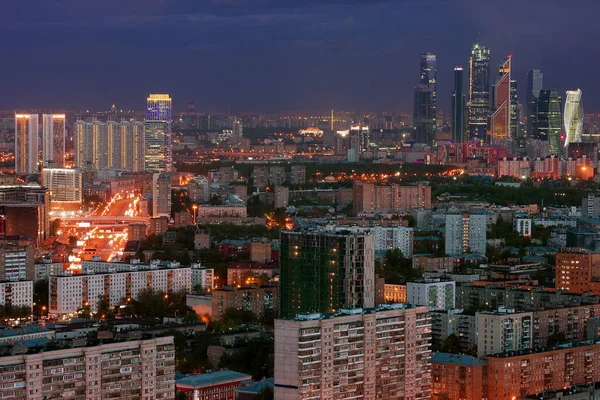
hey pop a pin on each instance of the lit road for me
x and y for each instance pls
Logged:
(102, 233)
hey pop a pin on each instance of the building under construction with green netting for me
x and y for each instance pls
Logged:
(323, 272)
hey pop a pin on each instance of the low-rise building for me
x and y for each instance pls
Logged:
(213, 385)
(394, 293)
(16, 294)
(262, 301)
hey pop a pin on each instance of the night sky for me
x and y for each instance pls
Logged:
(281, 55)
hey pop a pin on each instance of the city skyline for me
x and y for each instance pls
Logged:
(256, 49)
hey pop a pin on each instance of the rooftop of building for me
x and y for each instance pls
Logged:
(565, 393)
(23, 330)
(254, 265)
(457, 359)
(212, 378)
(355, 311)
(257, 387)
(526, 352)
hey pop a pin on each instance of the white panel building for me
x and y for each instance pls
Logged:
(436, 293)
(386, 237)
(465, 232)
(70, 293)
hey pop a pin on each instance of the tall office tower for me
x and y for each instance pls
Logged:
(26, 143)
(500, 118)
(238, 128)
(382, 353)
(515, 132)
(424, 112)
(323, 272)
(458, 107)
(53, 139)
(464, 232)
(535, 83)
(161, 195)
(549, 122)
(158, 154)
(479, 91)
(132, 135)
(573, 117)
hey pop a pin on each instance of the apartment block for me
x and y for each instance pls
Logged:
(578, 271)
(203, 277)
(70, 293)
(394, 293)
(380, 353)
(16, 293)
(504, 331)
(515, 374)
(262, 301)
(369, 197)
(385, 237)
(435, 293)
(458, 376)
(17, 263)
(465, 232)
(298, 175)
(140, 369)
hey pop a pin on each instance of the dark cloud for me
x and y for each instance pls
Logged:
(280, 54)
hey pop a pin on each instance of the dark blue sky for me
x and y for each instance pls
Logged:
(280, 55)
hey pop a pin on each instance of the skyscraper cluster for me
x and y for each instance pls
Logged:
(490, 111)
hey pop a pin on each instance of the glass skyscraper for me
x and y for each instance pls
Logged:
(424, 112)
(158, 133)
(573, 117)
(500, 120)
(479, 91)
(458, 107)
(535, 83)
(549, 121)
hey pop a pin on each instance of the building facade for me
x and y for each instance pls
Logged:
(53, 139)
(161, 195)
(479, 91)
(437, 294)
(65, 186)
(465, 232)
(157, 135)
(141, 369)
(26, 143)
(70, 293)
(354, 354)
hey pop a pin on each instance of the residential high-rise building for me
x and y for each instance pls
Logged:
(464, 232)
(500, 118)
(158, 154)
(53, 139)
(479, 91)
(17, 263)
(573, 117)
(535, 83)
(26, 143)
(161, 195)
(549, 119)
(100, 145)
(504, 331)
(325, 272)
(65, 186)
(424, 113)
(458, 107)
(381, 353)
(90, 370)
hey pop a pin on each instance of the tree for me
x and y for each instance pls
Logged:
(72, 241)
(104, 310)
(180, 396)
(450, 344)
(556, 338)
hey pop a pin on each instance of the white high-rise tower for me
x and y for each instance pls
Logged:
(53, 139)
(26, 143)
(573, 117)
